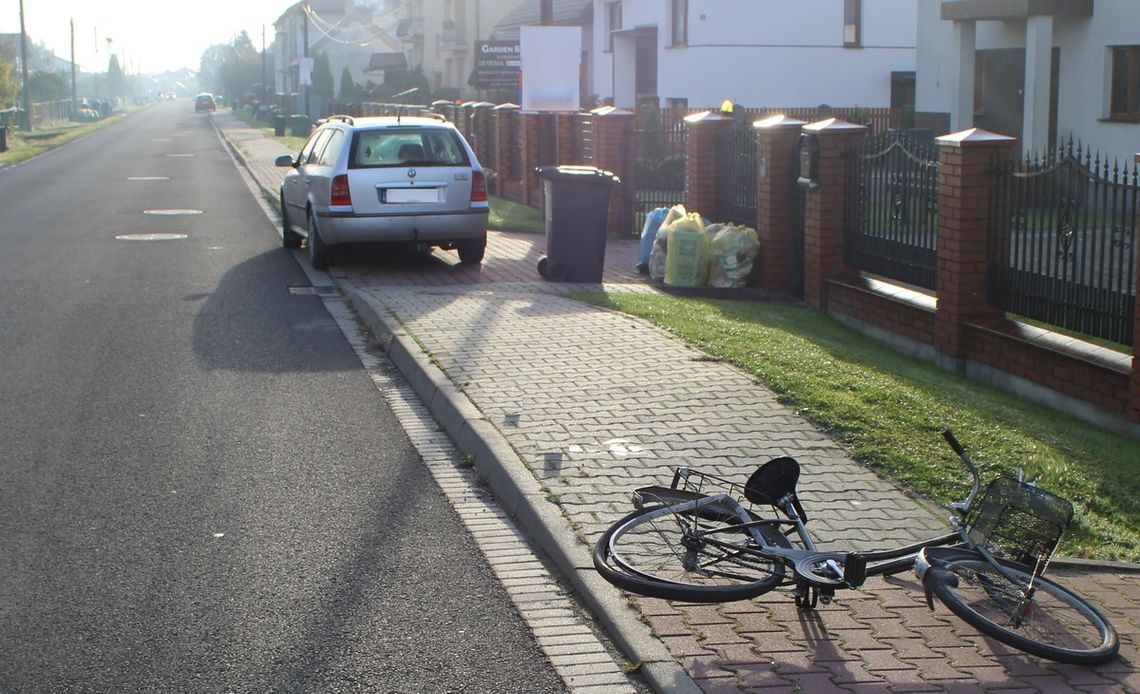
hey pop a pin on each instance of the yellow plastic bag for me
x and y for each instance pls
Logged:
(686, 260)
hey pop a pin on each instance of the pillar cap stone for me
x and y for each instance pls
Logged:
(974, 136)
(834, 125)
(610, 111)
(777, 121)
(705, 117)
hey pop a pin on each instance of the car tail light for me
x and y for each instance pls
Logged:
(340, 194)
(478, 187)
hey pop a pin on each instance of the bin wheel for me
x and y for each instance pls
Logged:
(552, 271)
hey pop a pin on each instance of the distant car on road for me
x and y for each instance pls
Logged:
(404, 179)
(205, 102)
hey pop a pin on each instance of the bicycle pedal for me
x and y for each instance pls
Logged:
(854, 570)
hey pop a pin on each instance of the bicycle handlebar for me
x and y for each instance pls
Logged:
(965, 505)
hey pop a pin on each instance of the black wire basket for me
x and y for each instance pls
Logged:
(1019, 522)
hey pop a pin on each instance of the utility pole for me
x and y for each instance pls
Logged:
(24, 71)
(546, 12)
(264, 88)
(74, 91)
(305, 40)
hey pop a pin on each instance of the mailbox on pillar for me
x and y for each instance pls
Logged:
(809, 162)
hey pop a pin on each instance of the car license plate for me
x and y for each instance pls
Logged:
(410, 195)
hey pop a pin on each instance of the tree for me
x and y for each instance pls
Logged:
(48, 86)
(230, 69)
(323, 84)
(116, 80)
(401, 79)
(8, 88)
(347, 86)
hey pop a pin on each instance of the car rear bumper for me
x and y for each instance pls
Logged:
(436, 228)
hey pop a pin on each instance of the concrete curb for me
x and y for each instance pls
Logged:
(521, 495)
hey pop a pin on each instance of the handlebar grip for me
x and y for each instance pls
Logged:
(949, 436)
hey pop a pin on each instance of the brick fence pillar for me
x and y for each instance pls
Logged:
(482, 140)
(963, 233)
(824, 206)
(530, 134)
(701, 165)
(613, 151)
(506, 168)
(776, 139)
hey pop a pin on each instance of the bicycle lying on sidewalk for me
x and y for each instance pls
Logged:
(694, 541)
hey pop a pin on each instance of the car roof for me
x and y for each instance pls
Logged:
(432, 121)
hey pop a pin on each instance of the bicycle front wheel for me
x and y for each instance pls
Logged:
(1054, 623)
(698, 554)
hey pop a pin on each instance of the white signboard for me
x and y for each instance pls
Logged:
(551, 60)
(305, 72)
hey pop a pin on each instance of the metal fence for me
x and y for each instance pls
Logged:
(1063, 250)
(891, 208)
(736, 174)
(659, 162)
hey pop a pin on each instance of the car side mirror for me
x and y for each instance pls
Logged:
(284, 160)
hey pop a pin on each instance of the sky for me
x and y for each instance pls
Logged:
(148, 36)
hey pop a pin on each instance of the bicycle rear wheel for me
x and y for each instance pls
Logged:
(693, 555)
(1055, 623)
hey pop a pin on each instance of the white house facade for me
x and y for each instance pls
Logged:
(759, 53)
(1044, 71)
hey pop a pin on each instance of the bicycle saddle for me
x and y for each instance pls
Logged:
(773, 481)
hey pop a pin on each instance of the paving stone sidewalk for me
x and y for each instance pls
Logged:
(594, 403)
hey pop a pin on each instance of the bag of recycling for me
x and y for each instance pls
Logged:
(732, 251)
(657, 255)
(653, 222)
(687, 252)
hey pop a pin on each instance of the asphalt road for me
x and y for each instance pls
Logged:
(200, 488)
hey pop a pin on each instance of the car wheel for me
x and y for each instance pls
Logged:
(472, 252)
(289, 238)
(318, 251)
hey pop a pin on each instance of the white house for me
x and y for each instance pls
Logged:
(759, 53)
(439, 36)
(350, 38)
(1039, 70)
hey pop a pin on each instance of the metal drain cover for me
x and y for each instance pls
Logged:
(151, 237)
(308, 290)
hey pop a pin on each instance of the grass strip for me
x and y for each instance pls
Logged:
(23, 145)
(888, 410)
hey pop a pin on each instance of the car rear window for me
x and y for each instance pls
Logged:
(407, 146)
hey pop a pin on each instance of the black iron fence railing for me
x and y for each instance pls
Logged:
(659, 161)
(891, 208)
(736, 174)
(1063, 242)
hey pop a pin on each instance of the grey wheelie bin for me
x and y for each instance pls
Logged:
(577, 204)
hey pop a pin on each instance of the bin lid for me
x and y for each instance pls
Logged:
(585, 174)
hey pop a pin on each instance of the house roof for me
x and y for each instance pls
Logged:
(529, 12)
(386, 61)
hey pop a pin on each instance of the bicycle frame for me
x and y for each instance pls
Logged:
(845, 570)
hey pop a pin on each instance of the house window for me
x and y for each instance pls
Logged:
(852, 23)
(679, 22)
(613, 23)
(1125, 101)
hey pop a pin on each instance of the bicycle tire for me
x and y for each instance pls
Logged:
(1061, 625)
(639, 553)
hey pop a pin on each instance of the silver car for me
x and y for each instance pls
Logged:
(409, 179)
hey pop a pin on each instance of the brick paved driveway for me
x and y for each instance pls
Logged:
(596, 403)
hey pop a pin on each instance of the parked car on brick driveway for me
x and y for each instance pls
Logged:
(402, 179)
